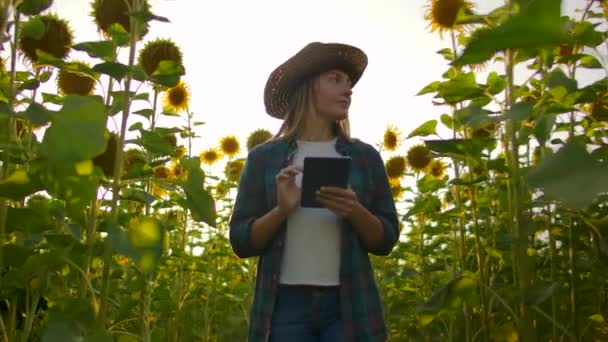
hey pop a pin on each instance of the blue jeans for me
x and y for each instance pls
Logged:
(307, 314)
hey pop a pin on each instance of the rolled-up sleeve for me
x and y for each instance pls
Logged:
(383, 205)
(250, 203)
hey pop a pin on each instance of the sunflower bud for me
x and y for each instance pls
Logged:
(156, 51)
(56, 40)
(108, 12)
(74, 83)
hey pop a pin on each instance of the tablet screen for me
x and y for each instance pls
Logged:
(323, 171)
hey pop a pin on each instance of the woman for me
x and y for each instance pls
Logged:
(314, 279)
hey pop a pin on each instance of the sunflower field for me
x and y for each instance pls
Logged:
(112, 228)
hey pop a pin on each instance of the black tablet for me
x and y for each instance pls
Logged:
(323, 171)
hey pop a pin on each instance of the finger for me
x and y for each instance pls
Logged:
(334, 207)
(337, 200)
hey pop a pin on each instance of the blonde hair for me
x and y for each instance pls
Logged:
(302, 104)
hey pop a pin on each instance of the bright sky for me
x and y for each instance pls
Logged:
(231, 46)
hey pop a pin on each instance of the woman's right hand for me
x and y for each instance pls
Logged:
(288, 193)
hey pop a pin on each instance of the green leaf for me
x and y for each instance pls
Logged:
(105, 49)
(590, 62)
(30, 84)
(34, 28)
(460, 147)
(137, 195)
(543, 127)
(198, 200)
(115, 70)
(447, 53)
(428, 184)
(559, 79)
(26, 220)
(520, 111)
(537, 25)
(118, 34)
(168, 73)
(15, 255)
(37, 114)
(45, 76)
(447, 121)
(570, 175)
(584, 33)
(474, 116)
(424, 204)
(426, 129)
(52, 98)
(77, 131)
(19, 184)
(146, 113)
(496, 83)
(155, 142)
(450, 297)
(433, 87)
(460, 88)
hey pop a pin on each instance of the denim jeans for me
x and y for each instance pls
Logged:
(307, 314)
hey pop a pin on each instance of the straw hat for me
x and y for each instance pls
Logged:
(313, 59)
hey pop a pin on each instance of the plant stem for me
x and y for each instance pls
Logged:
(573, 285)
(553, 271)
(517, 200)
(4, 172)
(480, 264)
(91, 231)
(107, 255)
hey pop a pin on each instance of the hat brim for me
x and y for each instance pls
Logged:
(313, 59)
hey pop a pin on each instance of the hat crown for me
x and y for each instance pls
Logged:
(314, 58)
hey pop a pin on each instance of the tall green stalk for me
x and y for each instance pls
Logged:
(517, 201)
(107, 255)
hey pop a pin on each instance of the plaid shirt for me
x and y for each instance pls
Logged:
(361, 307)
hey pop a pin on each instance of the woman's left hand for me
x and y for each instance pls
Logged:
(343, 202)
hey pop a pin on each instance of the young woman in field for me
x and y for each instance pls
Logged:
(314, 279)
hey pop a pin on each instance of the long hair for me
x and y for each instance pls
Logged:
(302, 104)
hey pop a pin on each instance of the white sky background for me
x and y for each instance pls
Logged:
(230, 47)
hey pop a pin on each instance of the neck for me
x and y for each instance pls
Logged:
(317, 130)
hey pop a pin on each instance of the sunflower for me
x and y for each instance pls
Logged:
(108, 12)
(162, 172)
(210, 156)
(180, 151)
(233, 170)
(437, 168)
(34, 7)
(230, 146)
(419, 157)
(396, 188)
(177, 98)
(156, 51)
(257, 137)
(158, 191)
(221, 189)
(75, 83)
(442, 14)
(178, 171)
(395, 167)
(486, 131)
(133, 156)
(392, 138)
(56, 39)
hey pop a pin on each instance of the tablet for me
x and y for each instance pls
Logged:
(323, 171)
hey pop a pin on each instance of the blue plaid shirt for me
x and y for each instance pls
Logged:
(361, 307)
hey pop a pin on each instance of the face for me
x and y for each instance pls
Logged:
(331, 95)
